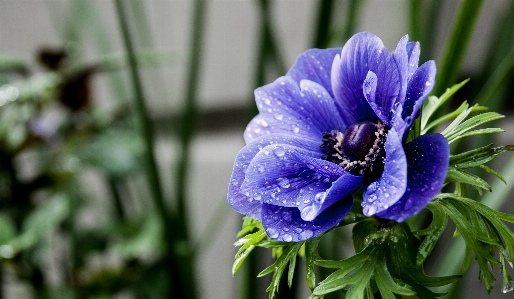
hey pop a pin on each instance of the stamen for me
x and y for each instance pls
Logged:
(334, 140)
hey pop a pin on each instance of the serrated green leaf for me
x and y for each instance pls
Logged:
(460, 118)
(482, 255)
(311, 255)
(445, 118)
(476, 132)
(453, 134)
(491, 171)
(433, 232)
(278, 267)
(433, 103)
(460, 176)
(387, 285)
(349, 263)
(248, 244)
(468, 258)
(292, 265)
(357, 282)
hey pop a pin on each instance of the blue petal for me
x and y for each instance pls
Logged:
(362, 53)
(286, 224)
(314, 65)
(401, 57)
(390, 186)
(244, 203)
(427, 158)
(413, 53)
(312, 206)
(288, 175)
(420, 85)
(256, 128)
(306, 110)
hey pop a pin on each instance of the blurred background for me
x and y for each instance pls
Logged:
(120, 122)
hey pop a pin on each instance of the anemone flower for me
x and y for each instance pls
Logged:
(338, 121)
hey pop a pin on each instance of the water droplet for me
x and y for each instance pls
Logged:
(320, 196)
(260, 168)
(298, 230)
(283, 182)
(295, 128)
(386, 194)
(287, 238)
(279, 152)
(508, 286)
(272, 233)
(306, 234)
(257, 197)
(278, 116)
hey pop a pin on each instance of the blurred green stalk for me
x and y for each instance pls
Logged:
(179, 268)
(351, 19)
(457, 44)
(323, 21)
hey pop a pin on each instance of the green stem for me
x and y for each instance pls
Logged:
(323, 20)
(179, 274)
(351, 19)
(415, 22)
(429, 29)
(496, 79)
(118, 205)
(457, 45)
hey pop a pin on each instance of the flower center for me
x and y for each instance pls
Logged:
(359, 150)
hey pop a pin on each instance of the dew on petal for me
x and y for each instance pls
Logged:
(320, 196)
(287, 238)
(306, 234)
(272, 233)
(295, 128)
(283, 182)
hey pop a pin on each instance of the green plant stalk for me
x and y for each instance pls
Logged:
(496, 80)
(322, 23)
(187, 131)
(429, 29)
(415, 20)
(178, 274)
(351, 18)
(457, 44)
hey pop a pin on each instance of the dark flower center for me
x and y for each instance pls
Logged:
(359, 150)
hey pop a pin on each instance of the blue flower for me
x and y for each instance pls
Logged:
(337, 121)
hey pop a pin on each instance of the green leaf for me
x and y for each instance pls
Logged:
(479, 156)
(247, 246)
(476, 132)
(433, 232)
(454, 133)
(311, 256)
(278, 267)
(491, 171)
(460, 176)
(460, 118)
(387, 285)
(433, 103)
(445, 117)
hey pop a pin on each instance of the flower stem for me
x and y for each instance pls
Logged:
(323, 20)
(179, 267)
(457, 44)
